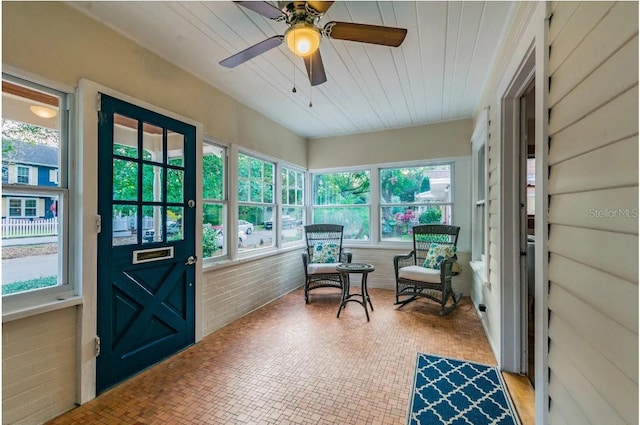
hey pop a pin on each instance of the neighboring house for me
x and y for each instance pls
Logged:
(32, 164)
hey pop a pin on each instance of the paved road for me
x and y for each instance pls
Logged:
(25, 268)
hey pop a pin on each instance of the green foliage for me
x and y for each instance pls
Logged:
(212, 167)
(347, 188)
(400, 184)
(209, 245)
(432, 215)
(27, 285)
(425, 186)
(29, 133)
(255, 180)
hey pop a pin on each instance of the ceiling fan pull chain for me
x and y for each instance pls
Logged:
(310, 80)
(294, 68)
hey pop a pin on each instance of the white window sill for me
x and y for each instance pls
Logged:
(480, 270)
(15, 311)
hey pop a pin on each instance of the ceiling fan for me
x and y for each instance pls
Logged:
(303, 35)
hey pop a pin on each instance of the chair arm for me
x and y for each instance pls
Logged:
(445, 267)
(403, 260)
(305, 261)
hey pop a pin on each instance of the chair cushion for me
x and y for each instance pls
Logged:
(325, 253)
(437, 253)
(421, 274)
(322, 268)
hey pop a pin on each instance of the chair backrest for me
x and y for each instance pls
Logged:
(426, 234)
(324, 234)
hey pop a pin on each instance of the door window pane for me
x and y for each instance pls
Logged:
(151, 183)
(125, 136)
(124, 224)
(152, 146)
(125, 180)
(175, 186)
(174, 223)
(151, 224)
(175, 149)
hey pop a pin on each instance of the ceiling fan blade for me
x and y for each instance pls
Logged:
(319, 6)
(262, 7)
(374, 34)
(252, 52)
(315, 68)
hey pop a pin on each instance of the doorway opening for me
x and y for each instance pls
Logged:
(527, 226)
(517, 209)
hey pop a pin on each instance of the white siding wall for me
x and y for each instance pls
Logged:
(593, 234)
(39, 366)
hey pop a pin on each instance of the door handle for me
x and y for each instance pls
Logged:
(191, 260)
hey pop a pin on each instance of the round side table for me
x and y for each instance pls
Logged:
(363, 297)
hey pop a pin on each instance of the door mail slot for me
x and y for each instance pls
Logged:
(155, 254)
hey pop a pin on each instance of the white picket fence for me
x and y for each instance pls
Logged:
(24, 228)
(21, 228)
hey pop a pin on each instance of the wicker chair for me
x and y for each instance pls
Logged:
(322, 275)
(413, 280)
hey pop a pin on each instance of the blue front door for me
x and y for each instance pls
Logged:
(146, 248)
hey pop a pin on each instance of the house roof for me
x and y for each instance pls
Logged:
(30, 153)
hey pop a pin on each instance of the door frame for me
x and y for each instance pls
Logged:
(532, 47)
(86, 240)
(511, 288)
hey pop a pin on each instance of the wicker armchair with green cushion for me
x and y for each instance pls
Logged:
(426, 271)
(323, 253)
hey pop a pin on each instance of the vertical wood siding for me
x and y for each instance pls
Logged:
(39, 367)
(593, 213)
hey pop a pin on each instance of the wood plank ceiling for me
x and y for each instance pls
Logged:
(436, 75)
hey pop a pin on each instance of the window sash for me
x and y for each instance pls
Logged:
(26, 184)
(22, 174)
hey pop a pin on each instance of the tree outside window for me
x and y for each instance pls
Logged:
(256, 201)
(292, 205)
(343, 198)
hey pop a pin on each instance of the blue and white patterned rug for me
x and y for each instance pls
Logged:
(449, 391)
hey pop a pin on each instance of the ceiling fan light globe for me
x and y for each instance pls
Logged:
(303, 39)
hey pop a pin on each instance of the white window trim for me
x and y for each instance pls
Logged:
(29, 174)
(224, 202)
(281, 205)
(480, 262)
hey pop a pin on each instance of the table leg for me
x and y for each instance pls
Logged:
(365, 290)
(345, 292)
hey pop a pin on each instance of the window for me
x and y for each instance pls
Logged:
(22, 174)
(414, 195)
(23, 207)
(292, 205)
(479, 193)
(214, 199)
(344, 198)
(256, 203)
(35, 210)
